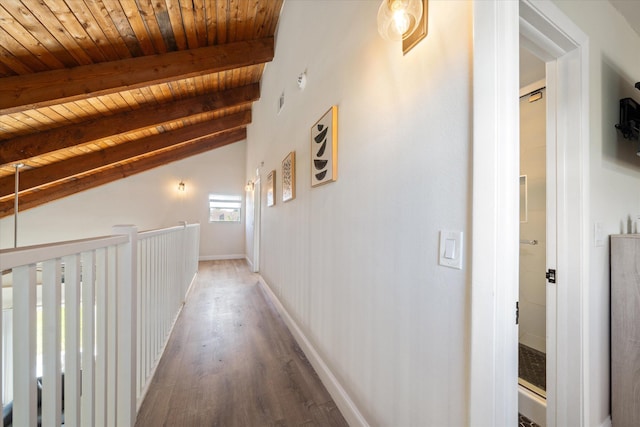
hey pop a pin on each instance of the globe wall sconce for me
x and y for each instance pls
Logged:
(403, 20)
(181, 186)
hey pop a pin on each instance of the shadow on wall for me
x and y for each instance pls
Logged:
(618, 153)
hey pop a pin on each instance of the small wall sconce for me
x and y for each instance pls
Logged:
(249, 187)
(404, 20)
(181, 186)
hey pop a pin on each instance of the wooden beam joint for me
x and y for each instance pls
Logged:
(75, 185)
(30, 91)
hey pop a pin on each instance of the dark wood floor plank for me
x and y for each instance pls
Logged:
(231, 361)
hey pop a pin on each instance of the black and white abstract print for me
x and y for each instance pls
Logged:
(324, 148)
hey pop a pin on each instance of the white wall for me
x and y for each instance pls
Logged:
(614, 171)
(355, 261)
(149, 200)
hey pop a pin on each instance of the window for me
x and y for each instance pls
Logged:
(224, 208)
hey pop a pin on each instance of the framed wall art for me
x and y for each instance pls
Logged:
(324, 148)
(289, 177)
(271, 188)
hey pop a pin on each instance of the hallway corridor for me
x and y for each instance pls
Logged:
(231, 361)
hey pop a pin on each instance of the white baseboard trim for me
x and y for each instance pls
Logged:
(221, 257)
(335, 389)
(536, 342)
(249, 262)
(193, 281)
(532, 406)
(607, 422)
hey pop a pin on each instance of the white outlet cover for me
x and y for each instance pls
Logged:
(451, 249)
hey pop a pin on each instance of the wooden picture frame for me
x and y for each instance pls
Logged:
(271, 188)
(324, 148)
(289, 177)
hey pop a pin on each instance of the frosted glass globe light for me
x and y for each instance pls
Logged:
(397, 19)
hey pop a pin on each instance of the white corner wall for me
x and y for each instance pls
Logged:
(149, 200)
(355, 262)
(614, 173)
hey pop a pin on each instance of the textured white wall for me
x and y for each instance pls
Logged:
(149, 200)
(355, 261)
(614, 171)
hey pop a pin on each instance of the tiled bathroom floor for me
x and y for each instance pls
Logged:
(532, 366)
(525, 422)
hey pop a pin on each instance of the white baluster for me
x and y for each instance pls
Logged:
(72, 340)
(24, 346)
(101, 339)
(87, 411)
(126, 305)
(112, 348)
(140, 332)
(51, 344)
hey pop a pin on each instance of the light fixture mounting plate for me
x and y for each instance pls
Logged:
(420, 32)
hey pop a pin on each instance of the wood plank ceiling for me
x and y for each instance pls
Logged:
(92, 91)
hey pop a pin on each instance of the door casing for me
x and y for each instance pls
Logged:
(257, 213)
(498, 26)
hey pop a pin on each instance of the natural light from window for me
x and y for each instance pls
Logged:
(224, 208)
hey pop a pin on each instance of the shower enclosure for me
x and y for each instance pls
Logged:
(532, 299)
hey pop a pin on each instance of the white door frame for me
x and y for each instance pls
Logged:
(257, 212)
(495, 234)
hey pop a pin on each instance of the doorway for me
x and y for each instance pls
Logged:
(500, 29)
(532, 300)
(257, 212)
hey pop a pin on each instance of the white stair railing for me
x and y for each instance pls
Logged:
(168, 262)
(115, 297)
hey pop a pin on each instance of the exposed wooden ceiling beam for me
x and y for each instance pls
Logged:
(20, 93)
(69, 187)
(53, 172)
(37, 144)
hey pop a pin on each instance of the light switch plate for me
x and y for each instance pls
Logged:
(451, 249)
(598, 235)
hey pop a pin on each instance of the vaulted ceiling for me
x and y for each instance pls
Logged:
(92, 91)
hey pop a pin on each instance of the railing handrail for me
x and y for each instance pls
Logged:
(15, 257)
(136, 284)
(150, 233)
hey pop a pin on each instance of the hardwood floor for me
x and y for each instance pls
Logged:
(231, 361)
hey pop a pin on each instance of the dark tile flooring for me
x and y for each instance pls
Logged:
(525, 422)
(532, 366)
